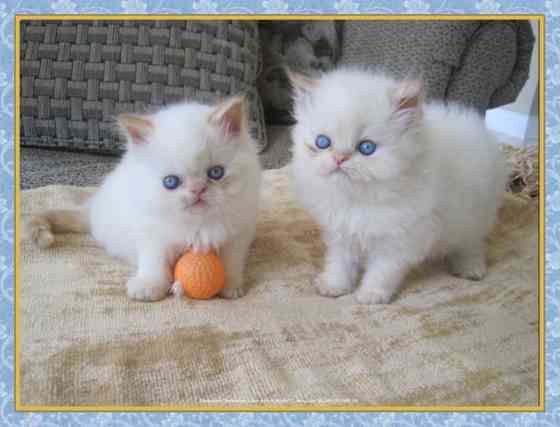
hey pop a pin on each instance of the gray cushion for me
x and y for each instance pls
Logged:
(482, 64)
(77, 75)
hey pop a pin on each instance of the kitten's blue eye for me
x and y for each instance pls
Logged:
(216, 172)
(171, 182)
(322, 142)
(367, 147)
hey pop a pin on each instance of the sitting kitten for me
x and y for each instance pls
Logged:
(190, 179)
(392, 180)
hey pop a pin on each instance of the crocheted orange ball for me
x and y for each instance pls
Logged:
(201, 275)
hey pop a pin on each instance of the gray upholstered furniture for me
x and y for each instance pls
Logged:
(482, 64)
(77, 75)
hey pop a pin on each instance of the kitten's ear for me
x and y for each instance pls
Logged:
(136, 126)
(230, 114)
(409, 97)
(301, 84)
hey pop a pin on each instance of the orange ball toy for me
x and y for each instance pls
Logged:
(201, 275)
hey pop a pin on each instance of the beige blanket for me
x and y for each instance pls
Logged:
(443, 341)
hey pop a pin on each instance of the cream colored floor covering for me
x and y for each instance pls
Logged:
(443, 341)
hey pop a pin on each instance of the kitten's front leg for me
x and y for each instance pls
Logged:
(341, 268)
(234, 256)
(388, 266)
(382, 279)
(394, 256)
(153, 276)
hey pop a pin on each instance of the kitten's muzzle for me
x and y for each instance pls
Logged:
(340, 158)
(198, 189)
(195, 199)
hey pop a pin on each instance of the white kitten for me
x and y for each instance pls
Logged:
(190, 179)
(392, 180)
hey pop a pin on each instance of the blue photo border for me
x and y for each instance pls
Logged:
(551, 8)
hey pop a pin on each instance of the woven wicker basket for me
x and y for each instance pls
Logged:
(77, 75)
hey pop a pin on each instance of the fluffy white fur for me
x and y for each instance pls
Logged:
(134, 217)
(431, 189)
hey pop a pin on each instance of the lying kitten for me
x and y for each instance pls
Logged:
(392, 180)
(190, 179)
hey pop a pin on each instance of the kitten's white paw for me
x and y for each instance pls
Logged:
(233, 293)
(141, 289)
(372, 297)
(330, 288)
(470, 268)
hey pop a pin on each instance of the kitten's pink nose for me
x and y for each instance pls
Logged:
(340, 158)
(198, 189)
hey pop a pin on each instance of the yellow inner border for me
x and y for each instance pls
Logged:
(282, 408)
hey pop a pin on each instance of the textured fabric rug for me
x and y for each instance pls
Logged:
(443, 341)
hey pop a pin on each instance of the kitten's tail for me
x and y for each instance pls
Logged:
(42, 227)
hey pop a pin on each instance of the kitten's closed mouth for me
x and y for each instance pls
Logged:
(199, 203)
